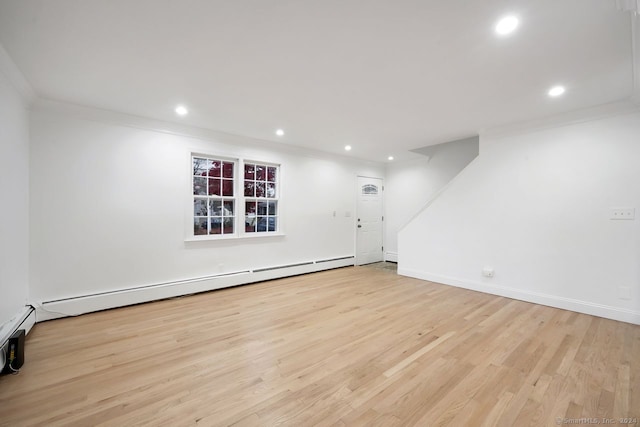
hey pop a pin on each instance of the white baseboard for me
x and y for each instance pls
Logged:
(600, 310)
(391, 256)
(81, 304)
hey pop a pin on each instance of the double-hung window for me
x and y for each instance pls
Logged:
(261, 198)
(214, 204)
(225, 191)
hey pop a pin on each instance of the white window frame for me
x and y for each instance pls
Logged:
(208, 198)
(276, 199)
(238, 198)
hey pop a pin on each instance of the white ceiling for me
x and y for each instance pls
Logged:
(383, 76)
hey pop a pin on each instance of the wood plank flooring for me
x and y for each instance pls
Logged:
(346, 347)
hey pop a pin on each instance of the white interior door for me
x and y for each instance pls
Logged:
(369, 221)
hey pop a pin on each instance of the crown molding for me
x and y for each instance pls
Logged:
(603, 111)
(111, 117)
(15, 76)
(629, 105)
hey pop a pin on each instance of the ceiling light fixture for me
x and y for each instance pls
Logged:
(347, 147)
(181, 110)
(390, 158)
(556, 91)
(507, 25)
(279, 132)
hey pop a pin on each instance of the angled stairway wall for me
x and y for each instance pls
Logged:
(535, 206)
(411, 184)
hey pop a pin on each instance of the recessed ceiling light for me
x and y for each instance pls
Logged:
(507, 25)
(390, 157)
(556, 91)
(181, 110)
(347, 147)
(279, 132)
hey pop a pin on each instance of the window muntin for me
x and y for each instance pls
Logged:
(214, 204)
(261, 197)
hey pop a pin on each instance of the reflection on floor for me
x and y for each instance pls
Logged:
(384, 265)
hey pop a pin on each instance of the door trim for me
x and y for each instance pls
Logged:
(355, 218)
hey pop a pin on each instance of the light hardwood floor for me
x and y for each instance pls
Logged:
(352, 346)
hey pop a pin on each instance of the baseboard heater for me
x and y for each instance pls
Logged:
(279, 267)
(13, 334)
(153, 286)
(80, 304)
(336, 259)
(24, 321)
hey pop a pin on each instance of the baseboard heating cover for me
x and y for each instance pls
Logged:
(80, 304)
(24, 320)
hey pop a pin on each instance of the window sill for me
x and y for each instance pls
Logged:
(233, 237)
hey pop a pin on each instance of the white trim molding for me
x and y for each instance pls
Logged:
(81, 304)
(583, 115)
(100, 115)
(391, 256)
(586, 307)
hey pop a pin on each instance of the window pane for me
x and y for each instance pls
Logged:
(249, 189)
(199, 166)
(228, 208)
(200, 186)
(199, 226)
(271, 190)
(250, 224)
(271, 174)
(214, 168)
(228, 226)
(227, 187)
(200, 207)
(262, 224)
(260, 173)
(272, 221)
(249, 171)
(216, 225)
(215, 208)
(260, 189)
(369, 189)
(273, 208)
(227, 170)
(214, 187)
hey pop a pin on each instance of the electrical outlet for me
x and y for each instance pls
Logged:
(624, 292)
(622, 213)
(487, 272)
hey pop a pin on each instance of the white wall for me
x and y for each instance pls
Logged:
(535, 207)
(411, 184)
(110, 204)
(14, 194)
